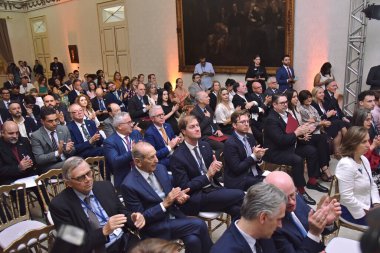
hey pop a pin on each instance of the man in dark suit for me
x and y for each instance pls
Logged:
(302, 228)
(10, 83)
(99, 105)
(285, 75)
(194, 166)
(373, 78)
(272, 87)
(161, 135)
(112, 110)
(148, 189)
(30, 109)
(57, 69)
(366, 101)
(16, 157)
(77, 90)
(263, 101)
(139, 106)
(84, 134)
(26, 124)
(93, 207)
(118, 147)
(287, 143)
(51, 143)
(205, 116)
(242, 155)
(261, 213)
(4, 104)
(60, 108)
(214, 94)
(330, 102)
(115, 96)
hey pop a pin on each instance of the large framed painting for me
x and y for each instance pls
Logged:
(229, 33)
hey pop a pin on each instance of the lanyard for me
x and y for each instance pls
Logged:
(100, 214)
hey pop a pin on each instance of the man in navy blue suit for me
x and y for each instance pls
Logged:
(148, 189)
(302, 227)
(115, 96)
(285, 75)
(194, 166)
(84, 134)
(77, 90)
(161, 135)
(118, 147)
(261, 213)
(242, 155)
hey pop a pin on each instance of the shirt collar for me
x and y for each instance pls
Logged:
(189, 146)
(250, 240)
(240, 137)
(80, 124)
(48, 131)
(159, 127)
(81, 196)
(144, 174)
(121, 135)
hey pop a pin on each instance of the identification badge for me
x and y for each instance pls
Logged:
(117, 231)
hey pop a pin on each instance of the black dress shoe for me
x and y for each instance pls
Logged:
(317, 187)
(308, 199)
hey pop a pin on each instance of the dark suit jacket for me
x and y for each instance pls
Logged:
(270, 92)
(72, 95)
(213, 100)
(373, 78)
(118, 159)
(187, 175)
(239, 101)
(140, 197)
(9, 86)
(66, 208)
(288, 239)
(84, 148)
(96, 106)
(282, 77)
(206, 123)
(9, 170)
(36, 113)
(135, 107)
(153, 136)
(233, 241)
(237, 168)
(30, 125)
(330, 103)
(57, 69)
(111, 98)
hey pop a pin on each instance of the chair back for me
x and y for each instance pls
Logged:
(13, 205)
(49, 185)
(334, 188)
(98, 165)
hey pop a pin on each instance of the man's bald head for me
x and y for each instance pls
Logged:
(10, 132)
(285, 183)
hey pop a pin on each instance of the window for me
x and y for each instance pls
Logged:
(113, 14)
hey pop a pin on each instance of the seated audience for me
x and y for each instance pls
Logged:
(112, 110)
(131, 89)
(161, 136)
(325, 76)
(214, 90)
(230, 88)
(224, 109)
(330, 102)
(115, 96)
(196, 86)
(11, 82)
(30, 109)
(60, 108)
(170, 109)
(242, 155)
(263, 101)
(148, 189)
(99, 105)
(272, 87)
(25, 85)
(180, 93)
(89, 113)
(95, 208)
(366, 100)
(26, 125)
(42, 86)
(77, 90)
(125, 86)
(118, 147)
(302, 227)
(169, 88)
(138, 106)
(84, 134)
(261, 213)
(117, 79)
(194, 166)
(283, 137)
(16, 157)
(151, 91)
(91, 93)
(358, 192)
(51, 143)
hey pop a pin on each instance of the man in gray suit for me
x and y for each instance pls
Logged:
(51, 143)
(112, 109)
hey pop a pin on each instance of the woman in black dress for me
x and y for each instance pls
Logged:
(256, 73)
(170, 109)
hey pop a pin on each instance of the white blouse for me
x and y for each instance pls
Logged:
(222, 113)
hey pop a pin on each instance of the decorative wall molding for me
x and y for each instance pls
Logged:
(27, 5)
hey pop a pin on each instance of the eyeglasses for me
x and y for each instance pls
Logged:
(81, 110)
(159, 115)
(83, 177)
(128, 122)
(244, 122)
(283, 103)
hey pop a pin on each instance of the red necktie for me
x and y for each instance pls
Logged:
(15, 153)
(289, 73)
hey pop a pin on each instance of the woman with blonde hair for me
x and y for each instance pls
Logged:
(85, 103)
(223, 111)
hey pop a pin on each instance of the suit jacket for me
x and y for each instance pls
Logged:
(237, 168)
(108, 127)
(119, 159)
(84, 148)
(288, 238)
(111, 98)
(233, 241)
(57, 69)
(96, 106)
(373, 78)
(282, 76)
(187, 175)
(66, 208)
(154, 137)
(330, 103)
(10, 86)
(72, 95)
(239, 101)
(30, 125)
(270, 92)
(140, 197)
(9, 171)
(36, 113)
(213, 100)
(135, 107)
(43, 148)
(208, 127)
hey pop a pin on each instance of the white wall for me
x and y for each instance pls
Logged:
(320, 35)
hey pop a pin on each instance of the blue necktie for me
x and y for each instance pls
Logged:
(298, 224)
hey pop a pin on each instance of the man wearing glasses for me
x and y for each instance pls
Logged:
(95, 208)
(118, 147)
(161, 135)
(242, 155)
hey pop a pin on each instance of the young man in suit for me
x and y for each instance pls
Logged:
(148, 189)
(301, 227)
(16, 157)
(26, 124)
(77, 89)
(261, 214)
(242, 155)
(139, 106)
(51, 143)
(87, 140)
(285, 75)
(118, 147)
(115, 96)
(194, 166)
(57, 69)
(95, 208)
(161, 136)
(10, 83)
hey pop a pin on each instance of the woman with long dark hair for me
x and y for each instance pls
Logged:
(170, 109)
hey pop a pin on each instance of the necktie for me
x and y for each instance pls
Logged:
(101, 105)
(156, 185)
(201, 166)
(85, 132)
(289, 73)
(248, 150)
(53, 142)
(164, 135)
(94, 222)
(15, 153)
(298, 224)
(261, 99)
(258, 247)
(128, 142)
